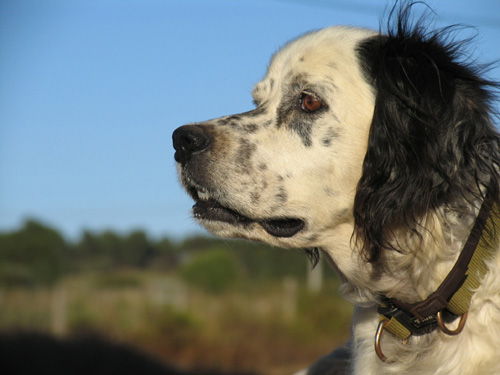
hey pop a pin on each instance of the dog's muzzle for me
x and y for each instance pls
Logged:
(191, 141)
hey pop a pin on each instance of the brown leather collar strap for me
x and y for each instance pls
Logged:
(438, 300)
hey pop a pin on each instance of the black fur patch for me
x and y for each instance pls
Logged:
(329, 192)
(304, 130)
(260, 110)
(282, 196)
(249, 128)
(255, 196)
(432, 140)
(289, 113)
(223, 121)
(245, 152)
(330, 136)
(267, 123)
(313, 255)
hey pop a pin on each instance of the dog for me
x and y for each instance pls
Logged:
(377, 151)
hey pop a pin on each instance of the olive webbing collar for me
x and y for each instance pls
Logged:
(452, 298)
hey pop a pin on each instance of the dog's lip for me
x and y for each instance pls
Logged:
(212, 210)
(207, 208)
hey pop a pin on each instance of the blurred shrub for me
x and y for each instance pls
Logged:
(263, 262)
(325, 312)
(36, 254)
(214, 271)
(82, 317)
(31, 255)
(117, 280)
(12, 275)
(168, 320)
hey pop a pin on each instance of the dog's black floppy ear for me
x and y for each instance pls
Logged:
(432, 141)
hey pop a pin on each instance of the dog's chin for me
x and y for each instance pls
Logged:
(221, 220)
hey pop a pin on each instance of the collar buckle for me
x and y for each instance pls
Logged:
(416, 326)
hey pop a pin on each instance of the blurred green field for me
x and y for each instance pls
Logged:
(203, 304)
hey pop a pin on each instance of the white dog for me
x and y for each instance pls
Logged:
(378, 152)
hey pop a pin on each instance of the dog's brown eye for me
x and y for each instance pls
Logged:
(310, 103)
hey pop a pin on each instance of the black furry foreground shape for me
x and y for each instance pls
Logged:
(24, 353)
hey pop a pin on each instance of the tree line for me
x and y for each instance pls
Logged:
(37, 254)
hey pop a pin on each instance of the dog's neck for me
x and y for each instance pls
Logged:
(446, 237)
(429, 258)
(410, 275)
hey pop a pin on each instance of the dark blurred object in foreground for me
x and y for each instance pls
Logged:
(35, 353)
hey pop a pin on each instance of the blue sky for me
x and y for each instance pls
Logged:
(91, 90)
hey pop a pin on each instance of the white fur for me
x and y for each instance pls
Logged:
(320, 184)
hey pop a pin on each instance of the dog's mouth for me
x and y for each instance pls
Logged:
(207, 208)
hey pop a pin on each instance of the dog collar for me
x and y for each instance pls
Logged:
(452, 298)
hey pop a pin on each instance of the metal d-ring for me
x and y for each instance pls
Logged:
(442, 326)
(378, 337)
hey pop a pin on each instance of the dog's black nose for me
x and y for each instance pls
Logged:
(189, 139)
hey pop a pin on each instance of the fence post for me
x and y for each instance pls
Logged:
(289, 298)
(315, 277)
(59, 310)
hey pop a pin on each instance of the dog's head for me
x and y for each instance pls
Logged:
(286, 172)
(354, 132)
